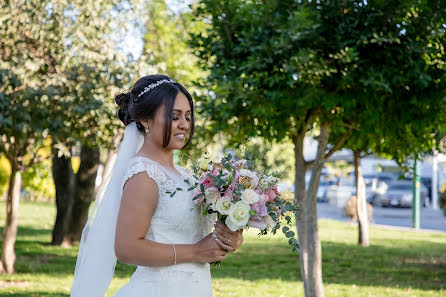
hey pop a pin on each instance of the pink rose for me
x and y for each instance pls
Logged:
(237, 176)
(263, 198)
(260, 208)
(195, 193)
(229, 193)
(271, 194)
(206, 179)
(257, 223)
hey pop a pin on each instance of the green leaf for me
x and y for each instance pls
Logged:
(289, 234)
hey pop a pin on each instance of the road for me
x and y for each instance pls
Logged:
(400, 217)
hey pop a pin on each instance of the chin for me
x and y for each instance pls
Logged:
(176, 145)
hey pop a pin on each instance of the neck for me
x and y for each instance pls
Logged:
(156, 153)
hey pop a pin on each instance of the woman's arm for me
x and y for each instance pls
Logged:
(138, 204)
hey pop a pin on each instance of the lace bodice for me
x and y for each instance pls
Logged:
(176, 219)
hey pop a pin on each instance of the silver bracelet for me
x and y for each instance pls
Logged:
(174, 255)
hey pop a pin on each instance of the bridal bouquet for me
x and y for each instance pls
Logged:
(243, 196)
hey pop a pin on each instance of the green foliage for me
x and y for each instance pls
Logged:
(283, 66)
(399, 105)
(165, 47)
(258, 82)
(274, 156)
(58, 69)
(38, 182)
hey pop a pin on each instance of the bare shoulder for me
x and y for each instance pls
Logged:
(140, 186)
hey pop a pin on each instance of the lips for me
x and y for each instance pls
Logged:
(180, 136)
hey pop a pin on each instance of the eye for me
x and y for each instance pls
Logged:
(188, 118)
(175, 118)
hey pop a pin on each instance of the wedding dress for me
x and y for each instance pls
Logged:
(176, 221)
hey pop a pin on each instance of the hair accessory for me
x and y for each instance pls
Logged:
(152, 86)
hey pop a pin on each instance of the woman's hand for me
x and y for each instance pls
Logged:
(226, 238)
(208, 250)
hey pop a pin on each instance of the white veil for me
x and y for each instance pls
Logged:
(96, 260)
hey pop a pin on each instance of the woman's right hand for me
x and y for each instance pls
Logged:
(208, 250)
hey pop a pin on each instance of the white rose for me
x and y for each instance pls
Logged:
(263, 184)
(271, 180)
(252, 175)
(250, 196)
(212, 195)
(246, 172)
(241, 163)
(223, 205)
(238, 216)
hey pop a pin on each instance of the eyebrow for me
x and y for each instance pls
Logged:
(178, 110)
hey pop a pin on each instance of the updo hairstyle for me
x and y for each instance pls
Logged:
(133, 108)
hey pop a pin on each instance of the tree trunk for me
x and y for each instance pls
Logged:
(111, 158)
(63, 177)
(300, 192)
(306, 218)
(110, 162)
(11, 224)
(361, 203)
(84, 191)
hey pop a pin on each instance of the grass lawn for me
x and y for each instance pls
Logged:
(398, 263)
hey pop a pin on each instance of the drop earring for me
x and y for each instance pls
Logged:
(146, 130)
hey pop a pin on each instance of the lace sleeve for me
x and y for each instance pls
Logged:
(152, 171)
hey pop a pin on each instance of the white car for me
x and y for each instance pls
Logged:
(399, 194)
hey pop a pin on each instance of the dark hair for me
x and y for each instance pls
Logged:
(135, 108)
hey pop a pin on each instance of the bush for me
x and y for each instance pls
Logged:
(38, 182)
(5, 171)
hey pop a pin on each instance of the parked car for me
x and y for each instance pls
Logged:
(399, 194)
(377, 184)
(338, 195)
(322, 190)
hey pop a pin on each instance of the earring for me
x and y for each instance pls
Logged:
(146, 129)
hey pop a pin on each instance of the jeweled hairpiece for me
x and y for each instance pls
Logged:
(152, 86)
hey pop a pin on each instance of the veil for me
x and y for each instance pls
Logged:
(96, 260)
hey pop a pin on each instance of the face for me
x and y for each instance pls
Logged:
(181, 122)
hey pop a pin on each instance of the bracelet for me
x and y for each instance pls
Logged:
(174, 255)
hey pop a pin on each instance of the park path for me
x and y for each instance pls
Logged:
(396, 218)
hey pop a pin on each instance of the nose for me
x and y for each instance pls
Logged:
(183, 124)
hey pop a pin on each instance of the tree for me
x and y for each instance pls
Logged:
(95, 70)
(165, 43)
(281, 68)
(402, 115)
(54, 78)
(28, 66)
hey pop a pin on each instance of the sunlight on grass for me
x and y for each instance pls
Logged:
(396, 264)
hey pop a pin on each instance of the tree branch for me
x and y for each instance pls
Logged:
(340, 143)
(337, 146)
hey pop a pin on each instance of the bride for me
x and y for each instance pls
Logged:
(136, 221)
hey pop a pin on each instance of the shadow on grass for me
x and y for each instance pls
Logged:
(35, 294)
(30, 232)
(37, 256)
(421, 265)
(343, 263)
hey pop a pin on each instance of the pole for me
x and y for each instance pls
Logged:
(416, 197)
(434, 185)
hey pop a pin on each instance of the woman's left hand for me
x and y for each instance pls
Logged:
(226, 238)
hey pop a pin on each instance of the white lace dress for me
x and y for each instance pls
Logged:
(177, 221)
